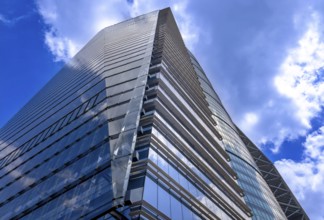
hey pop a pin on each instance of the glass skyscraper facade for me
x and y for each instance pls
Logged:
(131, 128)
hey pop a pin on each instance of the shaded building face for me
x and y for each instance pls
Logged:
(131, 128)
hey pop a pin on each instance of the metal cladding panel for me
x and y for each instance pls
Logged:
(68, 152)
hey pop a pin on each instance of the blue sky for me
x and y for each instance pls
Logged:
(264, 58)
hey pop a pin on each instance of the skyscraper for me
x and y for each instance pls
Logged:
(132, 128)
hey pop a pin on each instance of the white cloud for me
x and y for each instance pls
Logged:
(140, 7)
(68, 31)
(300, 79)
(306, 178)
(296, 96)
(71, 25)
(315, 144)
(3, 19)
(250, 119)
(62, 47)
(12, 21)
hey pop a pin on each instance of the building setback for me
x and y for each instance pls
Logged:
(131, 128)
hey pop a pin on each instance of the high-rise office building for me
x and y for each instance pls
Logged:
(131, 128)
